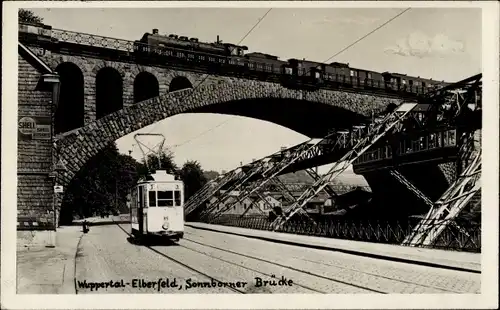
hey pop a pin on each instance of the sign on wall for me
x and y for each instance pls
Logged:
(34, 128)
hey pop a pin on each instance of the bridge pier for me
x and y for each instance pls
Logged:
(36, 201)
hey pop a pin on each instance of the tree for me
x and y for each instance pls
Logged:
(27, 16)
(101, 186)
(210, 175)
(166, 162)
(193, 177)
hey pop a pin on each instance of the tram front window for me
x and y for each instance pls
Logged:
(165, 199)
(177, 198)
(152, 199)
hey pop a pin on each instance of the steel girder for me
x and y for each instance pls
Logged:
(328, 189)
(452, 99)
(346, 139)
(236, 174)
(255, 168)
(282, 188)
(210, 189)
(446, 208)
(448, 102)
(255, 202)
(279, 162)
(288, 195)
(378, 130)
(334, 141)
(472, 83)
(338, 188)
(396, 174)
(273, 169)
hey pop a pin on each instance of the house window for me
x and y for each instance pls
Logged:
(369, 75)
(404, 82)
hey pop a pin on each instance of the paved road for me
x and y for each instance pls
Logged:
(222, 263)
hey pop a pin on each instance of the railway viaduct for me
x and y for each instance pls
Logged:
(72, 104)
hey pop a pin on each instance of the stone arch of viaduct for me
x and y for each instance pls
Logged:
(75, 147)
(217, 94)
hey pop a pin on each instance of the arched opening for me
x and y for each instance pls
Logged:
(109, 92)
(70, 110)
(179, 83)
(145, 87)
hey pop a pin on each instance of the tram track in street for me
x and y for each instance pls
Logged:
(251, 269)
(444, 290)
(182, 264)
(287, 267)
(248, 268)
(207, 250)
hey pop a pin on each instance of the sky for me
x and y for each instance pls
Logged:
(438, 43)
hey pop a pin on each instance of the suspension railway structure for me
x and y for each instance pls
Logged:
(445, 123)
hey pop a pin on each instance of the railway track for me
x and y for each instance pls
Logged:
(334, 265)
(236, 290)
(313, 290)
(343, 275)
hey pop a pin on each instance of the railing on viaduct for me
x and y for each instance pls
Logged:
(204, 62)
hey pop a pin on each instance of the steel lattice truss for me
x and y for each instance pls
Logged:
(270, 167)
(335, 141)
(210, 189)
(287, 194)
(454, 94)
(411, 187)
(379, 130)
(270, 171)
(446, 208)
(451, 99)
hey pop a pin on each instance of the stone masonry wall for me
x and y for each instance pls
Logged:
(34, 191)
(128, 71)
(90, 66)
(78, 146)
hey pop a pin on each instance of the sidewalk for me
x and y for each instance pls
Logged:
(49, 270)
(429, 257)
(112, 219)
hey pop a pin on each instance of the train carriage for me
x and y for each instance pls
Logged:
(157, 207)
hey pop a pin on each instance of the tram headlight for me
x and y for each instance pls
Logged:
(165, 223)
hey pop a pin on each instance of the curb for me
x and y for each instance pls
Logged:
(69, 281)
(346, 251)
(100, 223)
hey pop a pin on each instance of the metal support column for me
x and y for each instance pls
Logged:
(378, 131)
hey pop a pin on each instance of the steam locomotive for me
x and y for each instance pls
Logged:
(232, 58)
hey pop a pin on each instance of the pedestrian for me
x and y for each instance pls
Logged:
(85, 226)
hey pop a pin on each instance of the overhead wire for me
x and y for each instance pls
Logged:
(366, 35)
(258, 22)
(205, 78)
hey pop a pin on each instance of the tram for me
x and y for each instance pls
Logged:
(157, 207)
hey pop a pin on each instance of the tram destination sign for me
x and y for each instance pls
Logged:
(34, 128)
